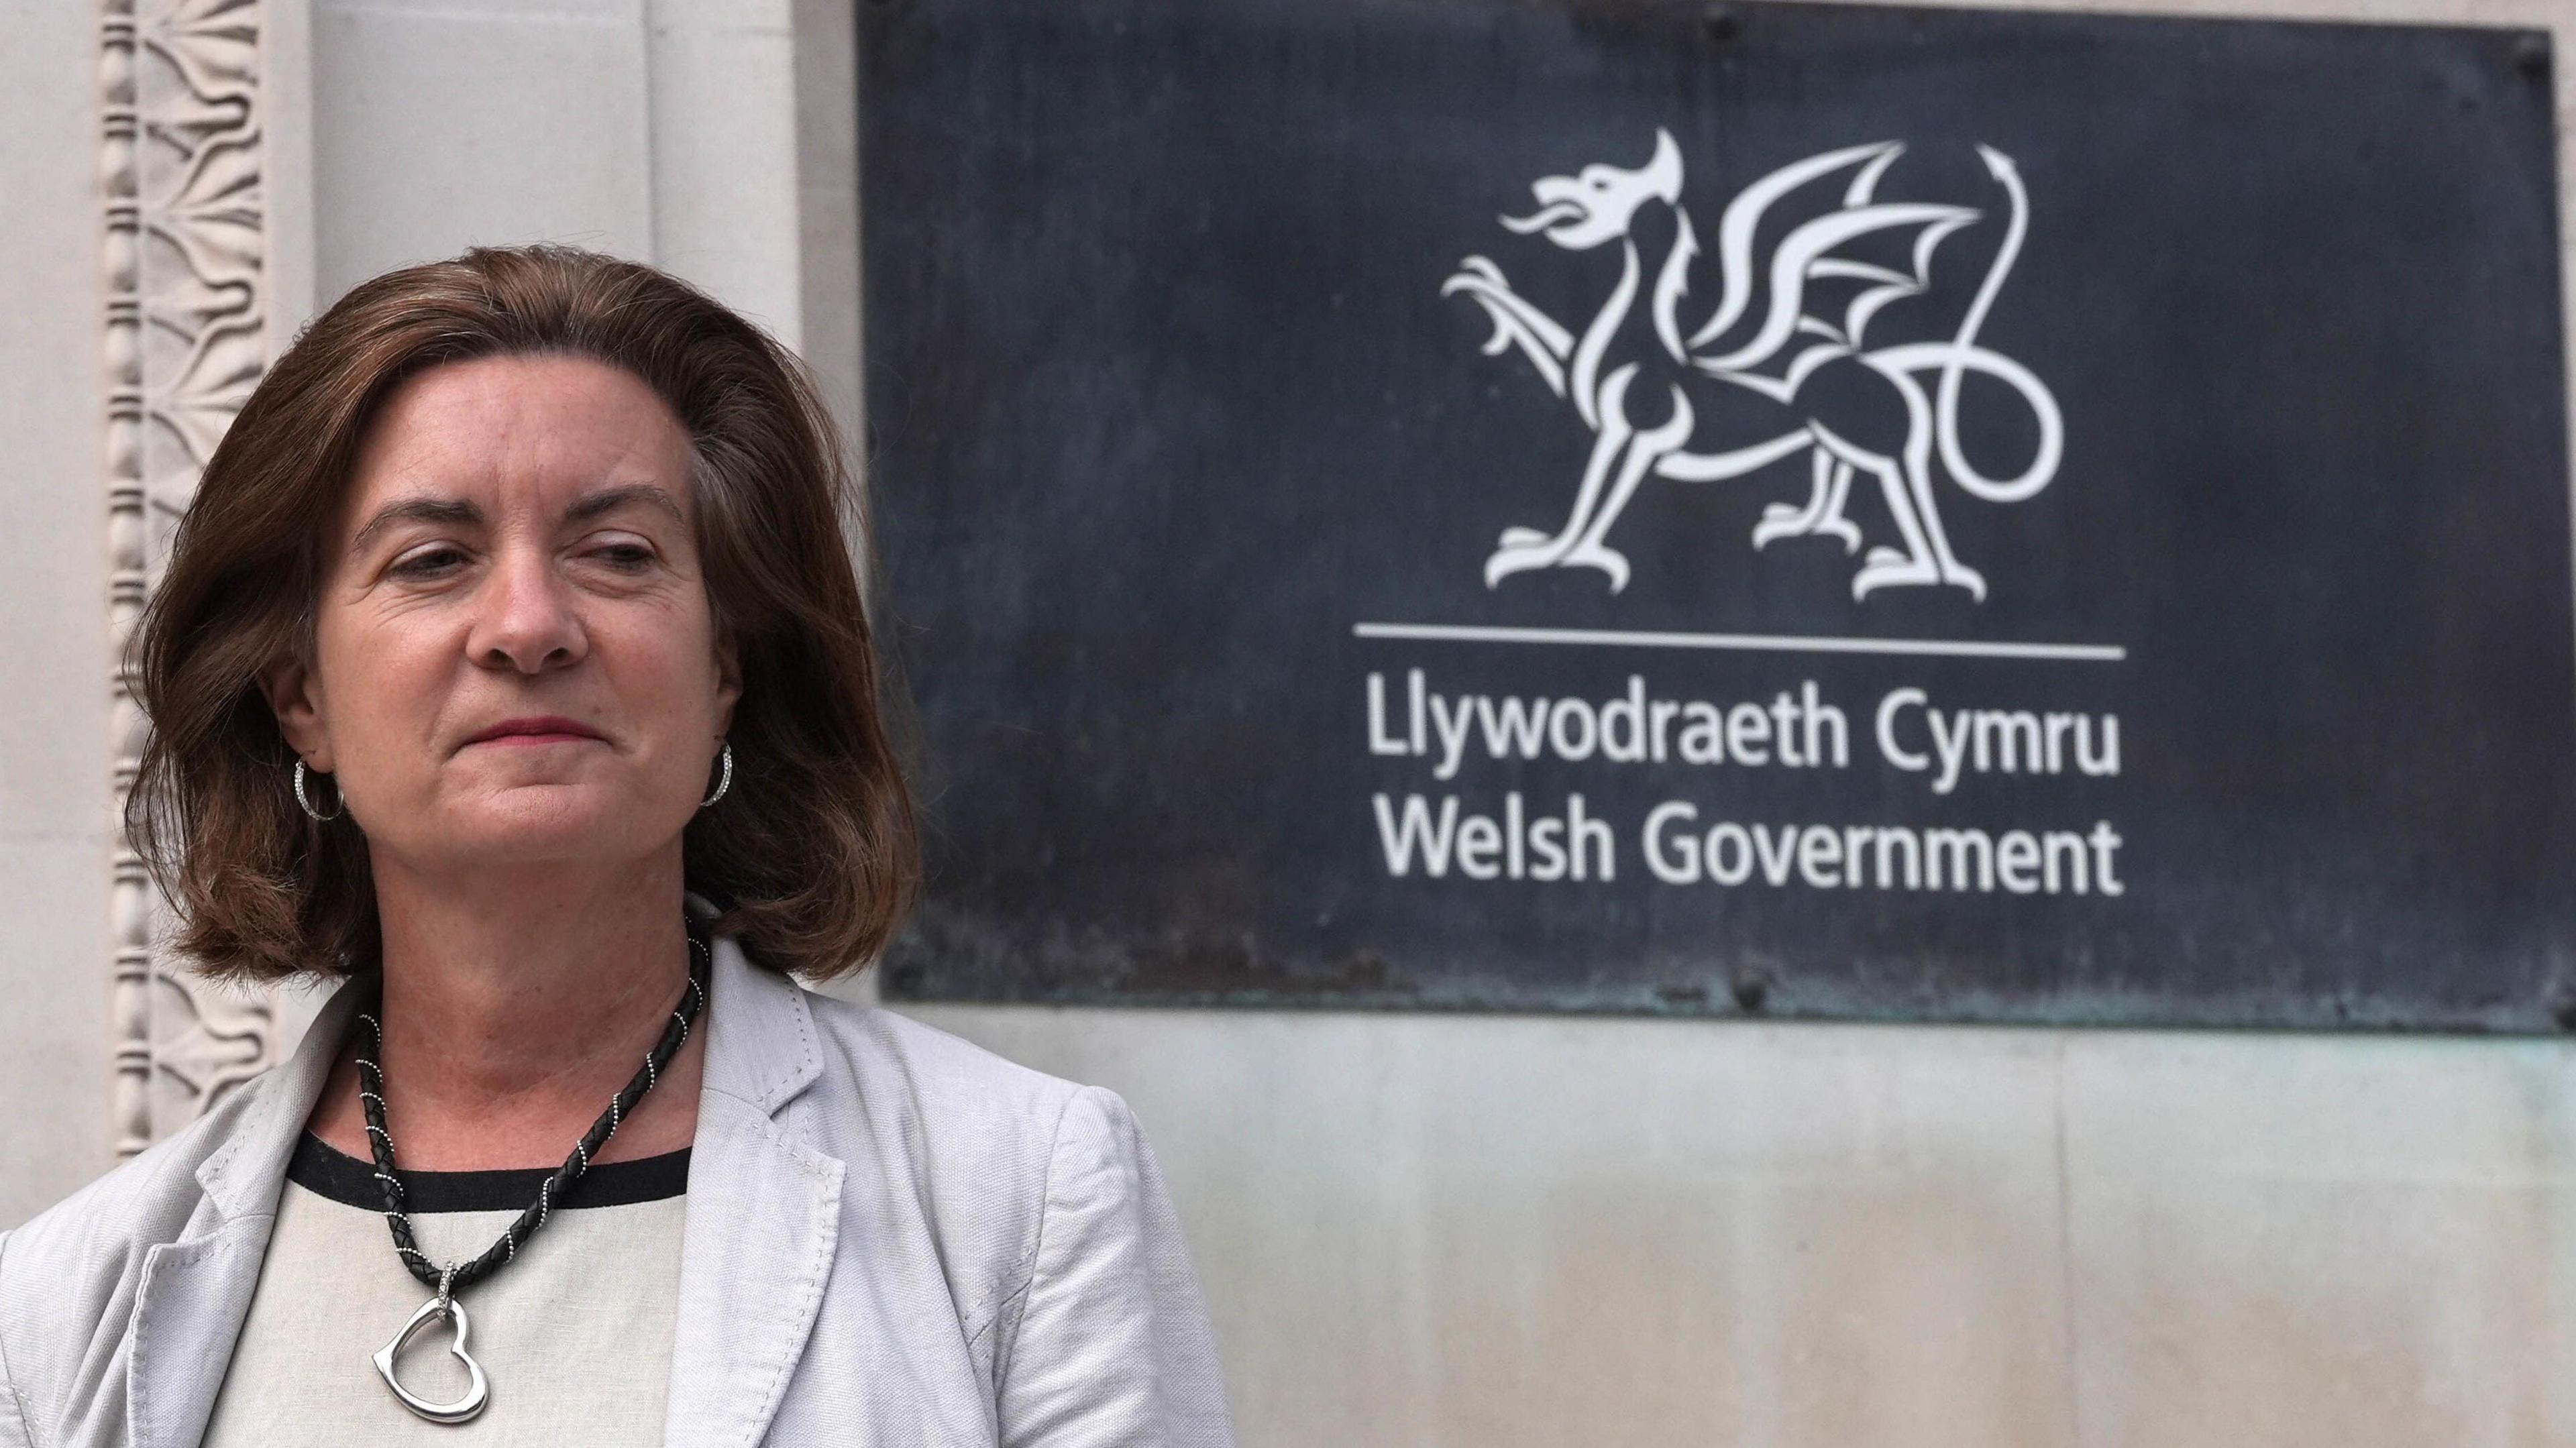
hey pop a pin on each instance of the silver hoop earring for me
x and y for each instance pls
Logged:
(725, 782)
(308, 804)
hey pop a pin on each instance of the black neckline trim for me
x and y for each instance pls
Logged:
(324, 1169)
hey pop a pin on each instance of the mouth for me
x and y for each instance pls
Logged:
(545, 729)
(1545, 216)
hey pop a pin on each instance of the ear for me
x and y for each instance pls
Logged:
(291, 691)
(1664, 170)
(728, 681)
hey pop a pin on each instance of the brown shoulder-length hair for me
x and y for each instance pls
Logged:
(812, 856)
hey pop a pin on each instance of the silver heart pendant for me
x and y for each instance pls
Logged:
(478, 1390)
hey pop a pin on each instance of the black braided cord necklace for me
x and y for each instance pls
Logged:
(448, 1279)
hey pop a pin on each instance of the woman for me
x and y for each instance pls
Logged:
(510, 664)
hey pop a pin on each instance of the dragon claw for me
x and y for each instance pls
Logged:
(1787, 520)
(1517, 558)
(1887, 567)
(1780, 520)
(1609, 560)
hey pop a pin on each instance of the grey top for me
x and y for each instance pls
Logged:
(574, 1334)
(892, 1237)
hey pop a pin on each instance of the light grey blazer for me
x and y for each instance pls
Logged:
(893, 1237)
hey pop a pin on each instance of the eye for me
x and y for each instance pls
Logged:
(426, 563)
(628, 556)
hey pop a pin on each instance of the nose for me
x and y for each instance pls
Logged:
(526, 616)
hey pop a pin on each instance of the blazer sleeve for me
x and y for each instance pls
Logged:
(1110, 1342)
(14, 1432)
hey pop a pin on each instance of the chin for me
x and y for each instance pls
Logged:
(550, 823)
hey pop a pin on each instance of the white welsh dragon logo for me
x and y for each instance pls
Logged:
(1782, 351)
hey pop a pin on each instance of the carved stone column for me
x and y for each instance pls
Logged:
(181, 179)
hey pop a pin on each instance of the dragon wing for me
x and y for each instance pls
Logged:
(1892, 285)
(1806, 254)
(1743, 216)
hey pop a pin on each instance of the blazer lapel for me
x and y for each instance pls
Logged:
(195, 1294)
(196, 1290)
(763, 1217)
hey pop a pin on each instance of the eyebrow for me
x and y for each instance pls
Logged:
(460, 510)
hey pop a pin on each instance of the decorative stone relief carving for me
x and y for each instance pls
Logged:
(181, 178)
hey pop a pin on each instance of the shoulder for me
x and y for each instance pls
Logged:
(144, 1201)
(990, 1145)
(983, 1107)
(981, 1152)
(70, 1275)
(953, 1091)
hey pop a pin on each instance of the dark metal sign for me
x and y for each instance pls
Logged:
(1819, 510)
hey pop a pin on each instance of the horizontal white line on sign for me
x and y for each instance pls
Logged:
(1773, 643)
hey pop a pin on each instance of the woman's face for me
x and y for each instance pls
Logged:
(516, 542)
